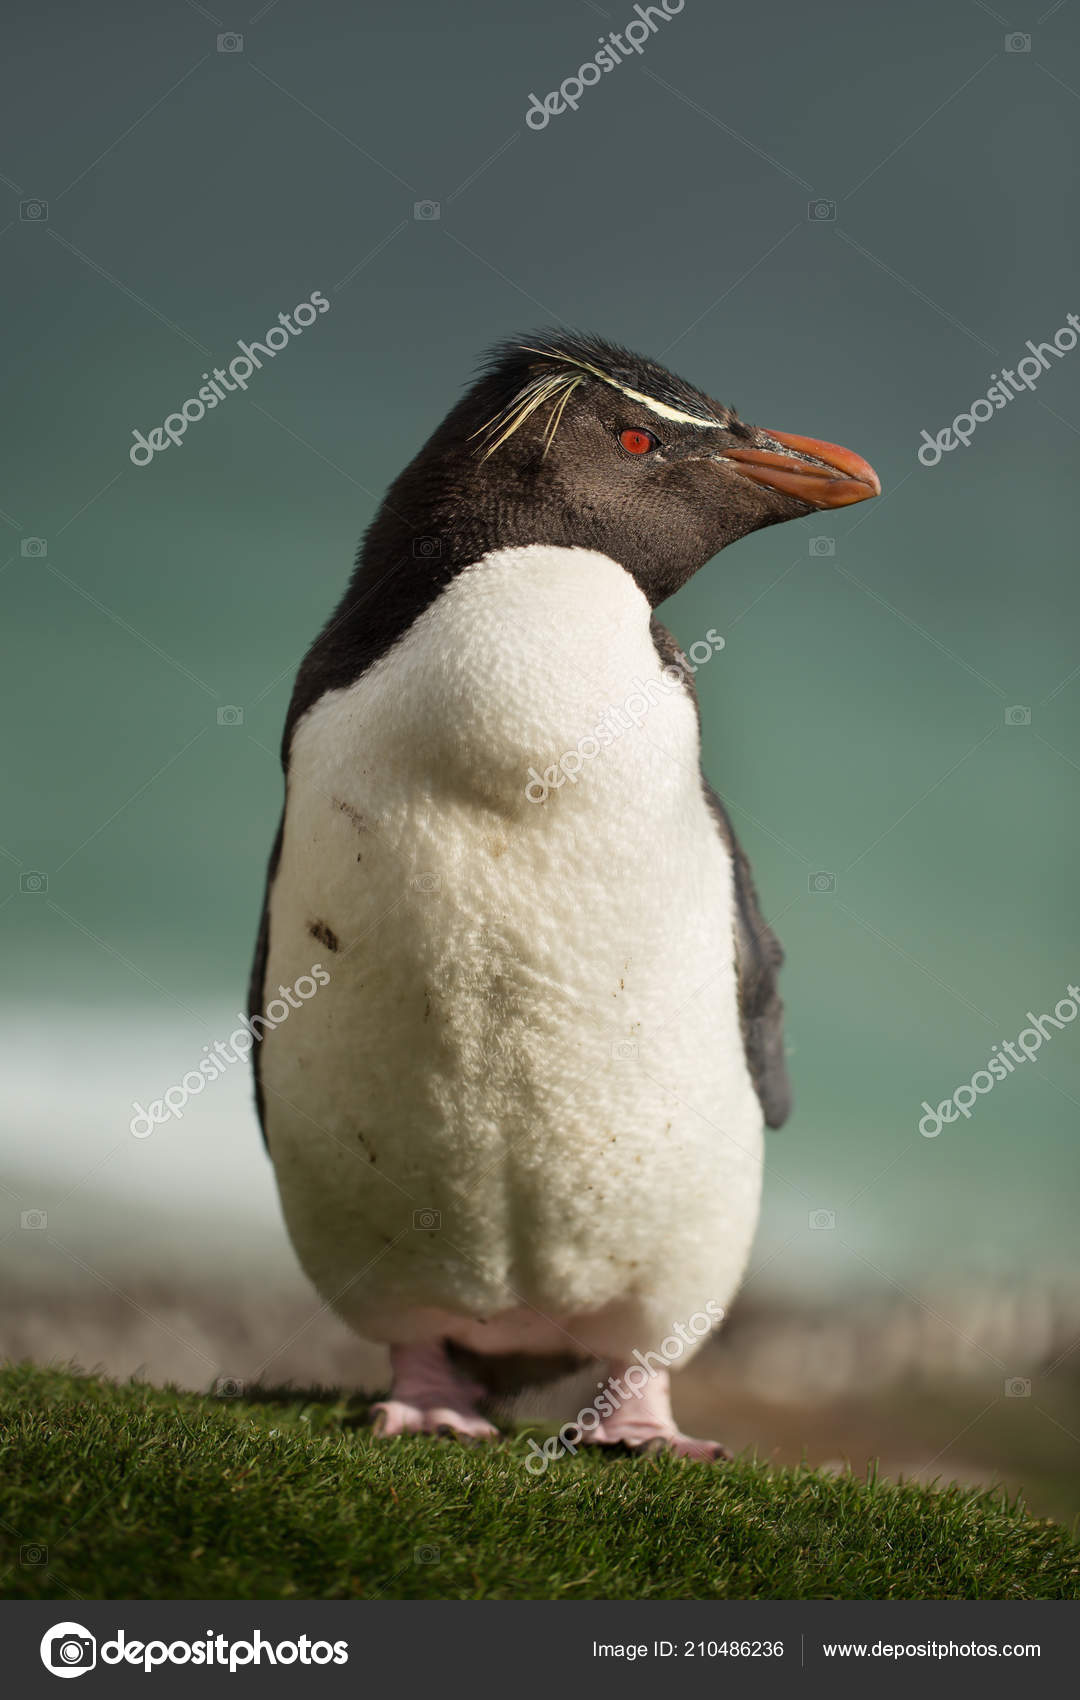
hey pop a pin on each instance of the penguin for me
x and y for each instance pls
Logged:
(517, 1121)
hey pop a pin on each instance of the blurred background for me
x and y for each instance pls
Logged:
(842, 221)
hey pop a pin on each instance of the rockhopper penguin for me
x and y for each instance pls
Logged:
(520, 1125)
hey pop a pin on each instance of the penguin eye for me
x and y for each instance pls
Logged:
(638, 442)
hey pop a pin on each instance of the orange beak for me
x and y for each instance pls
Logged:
(831, 477)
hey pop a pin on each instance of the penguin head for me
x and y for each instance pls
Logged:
(568, 440)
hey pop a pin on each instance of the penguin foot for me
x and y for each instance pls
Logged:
(429, 1396)
(392, 1417)
(642, 1421)
(642, 1439)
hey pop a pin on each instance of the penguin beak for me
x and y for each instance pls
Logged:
(823, 475)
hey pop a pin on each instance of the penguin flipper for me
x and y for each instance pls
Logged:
(758, 959)
(257, 983)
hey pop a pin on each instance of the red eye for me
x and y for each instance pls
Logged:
(638, 442)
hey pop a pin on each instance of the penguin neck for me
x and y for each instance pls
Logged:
(430, 528)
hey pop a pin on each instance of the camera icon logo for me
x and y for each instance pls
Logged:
(426, 883)
(34, 883)
(427, 209)
(1018, 715)
(228, 1387)
(230, 42)
(31, 1556)
(822, 881)
(67, 1649)
(230, 715)
(1018, 43)
(623, 1049)
(34, 1221)
(33, 548)
(821, 211)
(821, 1220)
(1017, 1388)
(426, 1554)
(34, 212)
(822, 545)
(427, 1221)
(426, 548)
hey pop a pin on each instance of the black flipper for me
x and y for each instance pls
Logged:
(257, 986)
(758, 958)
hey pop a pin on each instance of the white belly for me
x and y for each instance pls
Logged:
(519, 1113)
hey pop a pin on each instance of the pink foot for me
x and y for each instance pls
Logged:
(643, 1422)
(640, 1437)
(428, 1396)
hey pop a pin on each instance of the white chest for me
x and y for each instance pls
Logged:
(530, 1028)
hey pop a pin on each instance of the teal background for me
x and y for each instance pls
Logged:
(855, 721)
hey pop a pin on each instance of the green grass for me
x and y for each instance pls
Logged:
(144, 1493)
